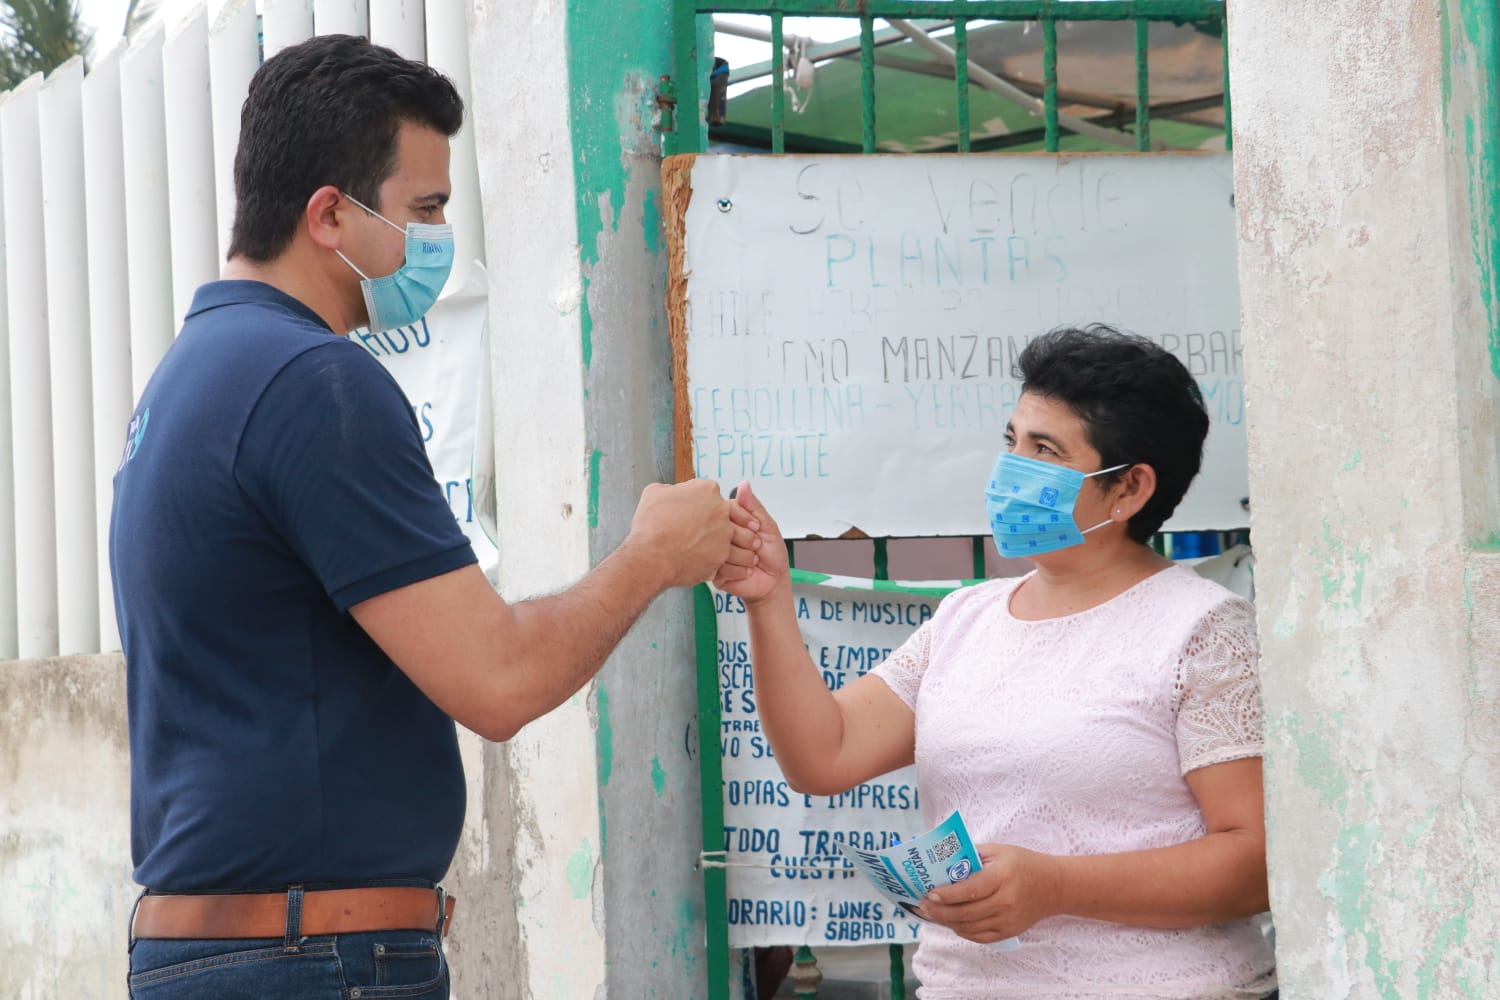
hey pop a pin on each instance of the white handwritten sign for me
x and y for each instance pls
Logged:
(437, 361)
(787, 881)
(852, 322)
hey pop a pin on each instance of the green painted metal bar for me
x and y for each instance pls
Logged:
(1000, 10)
(756, 135)
(1142, 85)
(1113, 119)
(961, 79)
(711, 783)
(898, 963)
(979, 560)
(1228, 118)
(778, 87)
(1474, 37)
(867, 80)
(686, 137)
(1049, 81)
(796, 142)
(804, 956)
(706, 39)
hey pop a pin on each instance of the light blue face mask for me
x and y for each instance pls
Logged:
(1030, 505)
(402, 298)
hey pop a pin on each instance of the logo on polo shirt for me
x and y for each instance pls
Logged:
(134, 435)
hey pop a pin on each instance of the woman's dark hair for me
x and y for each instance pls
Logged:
(1137, 402)
(326, 111)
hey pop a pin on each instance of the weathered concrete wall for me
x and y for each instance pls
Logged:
(540, 917)
(645, 699)
(1372, 461)
(570, 183)
(603, 808)
(65, 889)
(65, 886)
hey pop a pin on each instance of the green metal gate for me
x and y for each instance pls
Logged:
(687, 91)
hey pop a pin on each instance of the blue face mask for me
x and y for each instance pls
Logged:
(1030, 505)
(402, 298)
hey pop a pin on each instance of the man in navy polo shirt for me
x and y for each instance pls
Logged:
(303, 620)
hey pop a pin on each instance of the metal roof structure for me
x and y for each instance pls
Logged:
(915, 94)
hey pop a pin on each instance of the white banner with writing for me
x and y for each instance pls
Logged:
(853, 321)
(787, 881)
(438, 363)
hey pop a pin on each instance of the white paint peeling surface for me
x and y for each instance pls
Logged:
(1377, 676)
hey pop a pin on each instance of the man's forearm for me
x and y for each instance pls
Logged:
(562, 640)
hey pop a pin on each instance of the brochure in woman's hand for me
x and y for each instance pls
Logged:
(908, 871)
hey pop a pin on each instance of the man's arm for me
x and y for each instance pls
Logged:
(494, 666)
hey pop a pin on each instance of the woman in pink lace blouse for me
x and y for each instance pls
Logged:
(1096, 721)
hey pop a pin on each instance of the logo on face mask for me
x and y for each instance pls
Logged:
(402, 298)
(1030, 505)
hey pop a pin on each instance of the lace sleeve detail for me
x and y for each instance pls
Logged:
(902, 671)
(1219, 710)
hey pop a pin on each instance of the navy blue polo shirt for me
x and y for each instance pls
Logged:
(273, 476)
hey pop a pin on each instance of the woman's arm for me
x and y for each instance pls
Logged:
(1219, 876)
(825, 742)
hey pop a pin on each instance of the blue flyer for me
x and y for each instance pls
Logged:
(906, 872)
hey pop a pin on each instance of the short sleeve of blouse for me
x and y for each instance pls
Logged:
(1219, 711)
(902, 671)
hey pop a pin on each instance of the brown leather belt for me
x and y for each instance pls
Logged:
(263, 914)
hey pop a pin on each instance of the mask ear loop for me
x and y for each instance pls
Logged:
(1107, 520)
(377, 215)
(1102, 472)
(367, 208)
(352, 265)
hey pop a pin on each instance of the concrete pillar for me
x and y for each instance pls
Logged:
(64, 828)
(582, 866)
(1366, 167)
(644, 703)
(538, 935)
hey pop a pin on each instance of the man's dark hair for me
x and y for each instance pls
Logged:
(1137, 402)
(326, 111)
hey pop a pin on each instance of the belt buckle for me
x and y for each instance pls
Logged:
(442, 913)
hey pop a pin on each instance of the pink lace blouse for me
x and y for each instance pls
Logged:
(1072, 736)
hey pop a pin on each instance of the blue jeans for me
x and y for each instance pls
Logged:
(369, 966)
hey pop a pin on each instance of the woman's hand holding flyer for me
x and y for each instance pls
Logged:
(906, 872)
